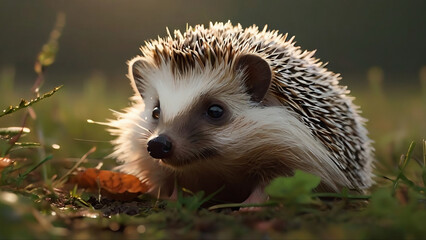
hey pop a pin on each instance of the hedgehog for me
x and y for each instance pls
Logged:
(225, 109)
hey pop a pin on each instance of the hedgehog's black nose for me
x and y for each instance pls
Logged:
(160, 147)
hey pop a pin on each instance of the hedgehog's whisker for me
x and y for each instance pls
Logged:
(145, 135)
(143, 128)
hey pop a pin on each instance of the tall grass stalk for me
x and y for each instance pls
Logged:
(422, 76)
(45, 58)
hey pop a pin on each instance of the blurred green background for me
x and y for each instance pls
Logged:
(379, 47)
(103, 34)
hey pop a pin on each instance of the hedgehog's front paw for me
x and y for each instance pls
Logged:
(256, 197)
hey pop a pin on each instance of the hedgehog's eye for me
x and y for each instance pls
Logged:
(215, 111)
(156, 113)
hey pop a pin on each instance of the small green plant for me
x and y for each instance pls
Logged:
(401, 176)
(297, 189)
(192, 201)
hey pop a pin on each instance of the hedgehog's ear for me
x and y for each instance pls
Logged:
(257, 74)
(135, 75)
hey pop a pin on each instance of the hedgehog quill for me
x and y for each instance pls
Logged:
(233, 108)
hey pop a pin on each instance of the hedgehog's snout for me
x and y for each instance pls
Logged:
(160, 147)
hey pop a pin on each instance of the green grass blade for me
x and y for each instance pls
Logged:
(211, 195)
(27, 144)
(342, 196)
(23, 176)
(403, 166)
(25, 104)
(424, 163)
(243, 205)
(12, 131)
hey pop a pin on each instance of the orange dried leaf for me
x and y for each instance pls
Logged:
(5, 162)
(113, 182)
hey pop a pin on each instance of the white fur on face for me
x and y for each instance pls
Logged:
(177, 94)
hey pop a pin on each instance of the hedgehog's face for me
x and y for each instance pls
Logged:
(187, 115)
